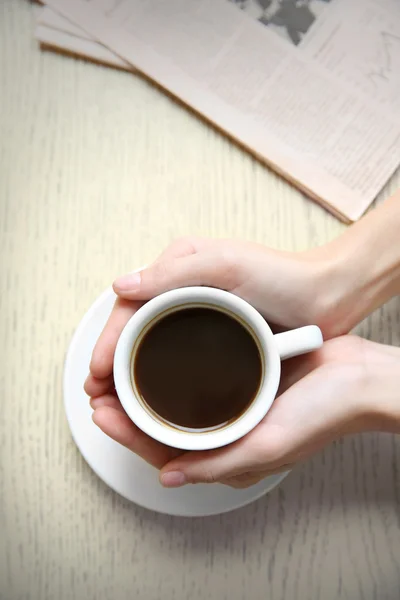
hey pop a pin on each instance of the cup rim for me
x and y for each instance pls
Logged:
(189, 440)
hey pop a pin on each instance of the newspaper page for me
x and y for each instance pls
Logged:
(56, 32)
(311, 87)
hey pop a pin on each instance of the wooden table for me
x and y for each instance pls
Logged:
(98, 172)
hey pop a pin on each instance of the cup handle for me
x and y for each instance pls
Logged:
(298, 341)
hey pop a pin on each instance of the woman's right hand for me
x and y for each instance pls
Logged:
(289, 289)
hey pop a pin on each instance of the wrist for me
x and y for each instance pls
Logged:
(380, 402)
(360, 269)
(354, 289)
(344, 296)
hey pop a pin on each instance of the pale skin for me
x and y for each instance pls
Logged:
(351, 385)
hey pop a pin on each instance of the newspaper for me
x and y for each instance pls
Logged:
(311, 87)
(56, 32)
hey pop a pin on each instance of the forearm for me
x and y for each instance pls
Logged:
(364, 266)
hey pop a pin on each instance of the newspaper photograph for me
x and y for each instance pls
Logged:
(290, 18)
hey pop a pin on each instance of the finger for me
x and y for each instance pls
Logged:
(211, 268)
(297, 368)
(178, 249)
(183, 247)
(101, 365)
(253, 452)
(120, 428)
(98, 387)
(242, 481)
(110, 400)
(246, 480)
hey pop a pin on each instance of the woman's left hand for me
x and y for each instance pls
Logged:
(323, 396)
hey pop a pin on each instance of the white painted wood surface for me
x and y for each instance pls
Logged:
(98, 172)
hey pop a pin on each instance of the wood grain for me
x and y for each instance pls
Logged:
(98, 172)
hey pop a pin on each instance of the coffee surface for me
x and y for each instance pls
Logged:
(198, 368)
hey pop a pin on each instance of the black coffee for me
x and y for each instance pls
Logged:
(198, 368)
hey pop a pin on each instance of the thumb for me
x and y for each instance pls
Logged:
(251, 453)
(204, 268)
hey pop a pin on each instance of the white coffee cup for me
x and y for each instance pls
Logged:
(273, 349)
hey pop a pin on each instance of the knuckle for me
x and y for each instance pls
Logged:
(206, 476)
(185, 245)
(227, 267)
(159, 271)
(227, 257)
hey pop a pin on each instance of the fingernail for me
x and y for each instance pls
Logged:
(128, 283)
(173, 479)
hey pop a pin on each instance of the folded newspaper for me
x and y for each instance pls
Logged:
(56, 32)
(310, 87)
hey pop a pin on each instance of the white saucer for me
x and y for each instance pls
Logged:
(119, 468)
